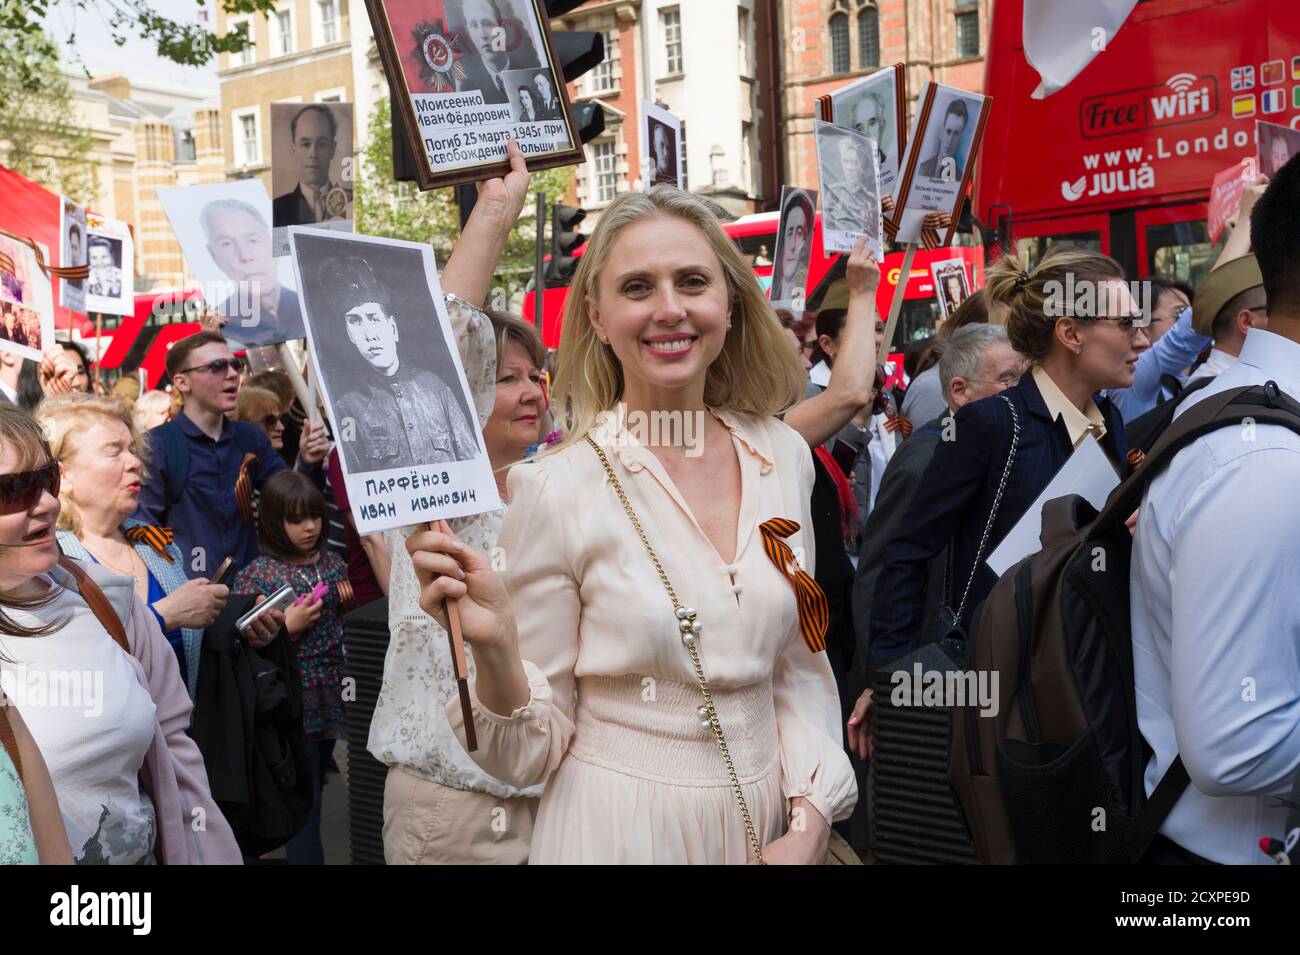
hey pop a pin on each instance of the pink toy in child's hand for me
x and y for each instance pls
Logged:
(318, 592)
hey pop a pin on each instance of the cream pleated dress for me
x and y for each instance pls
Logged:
(611, 724)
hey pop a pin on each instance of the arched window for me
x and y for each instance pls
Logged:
(839, 29)
(868, 38)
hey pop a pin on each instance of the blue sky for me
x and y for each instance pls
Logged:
(139, 58)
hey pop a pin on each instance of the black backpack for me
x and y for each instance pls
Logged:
(1056, 775)
(1144, 430)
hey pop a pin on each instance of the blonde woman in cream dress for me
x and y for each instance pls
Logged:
(583, 680)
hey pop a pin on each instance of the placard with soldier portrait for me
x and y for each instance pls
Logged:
(874, 106)
(661, 137)
(72, 236)
(312, 168)
(937, 164)
(467, 76)
(850, 189)
(794, 237)
(951, 284)
(224, 230)
(110, 253)
(389, 372)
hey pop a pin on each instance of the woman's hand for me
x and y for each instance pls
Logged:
(860, 726)
(300, 618)
(448, 570)
(195, 603)
(315, 442)
(509, 192)
(863, 273)
(264, 629)
(807, 840)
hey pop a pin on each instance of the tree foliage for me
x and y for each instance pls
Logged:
(39, 134)
(399, 210)
(189, 44)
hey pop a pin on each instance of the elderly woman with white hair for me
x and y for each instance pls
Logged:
(97, 447)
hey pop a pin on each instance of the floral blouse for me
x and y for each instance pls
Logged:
(17, 847)
(409, 728)
(320, 649)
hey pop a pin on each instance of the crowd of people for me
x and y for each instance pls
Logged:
(672, 646)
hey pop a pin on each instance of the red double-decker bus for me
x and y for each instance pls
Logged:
(1122, 159)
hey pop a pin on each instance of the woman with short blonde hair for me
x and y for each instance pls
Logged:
(100, 452)
(654, 652)
(262, 407)
(151, 409)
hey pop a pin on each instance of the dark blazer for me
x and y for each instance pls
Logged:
(292, 208)
(953, 501)
(897, 488)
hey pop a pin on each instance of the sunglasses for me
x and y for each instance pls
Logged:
(20, 491)
(218, 367)
(270, 421)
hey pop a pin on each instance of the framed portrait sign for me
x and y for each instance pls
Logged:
(938, 163)
(661, 152)
(951, 284)
(876, 107)
(794, 235)
(469, 74)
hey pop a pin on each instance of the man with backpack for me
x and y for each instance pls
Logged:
(203, 467)
(1216, 628)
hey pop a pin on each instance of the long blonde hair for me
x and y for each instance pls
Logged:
(755, 372)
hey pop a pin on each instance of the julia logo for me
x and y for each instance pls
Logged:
(1071, 191)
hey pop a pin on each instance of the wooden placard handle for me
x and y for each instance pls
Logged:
(456, 639)
(896, 305)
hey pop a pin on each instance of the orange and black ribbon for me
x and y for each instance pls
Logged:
(244, 490)
(814, 613)
(63, 272)
(896, 422)
(159, 538)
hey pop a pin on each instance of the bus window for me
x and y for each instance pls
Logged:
(1032, 248)
(757, 249)
(1181, 250)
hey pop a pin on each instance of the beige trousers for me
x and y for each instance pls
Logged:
(426, 823)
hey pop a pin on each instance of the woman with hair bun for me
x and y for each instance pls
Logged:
(1074, 319)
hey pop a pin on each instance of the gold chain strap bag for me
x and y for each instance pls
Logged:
(689, 626)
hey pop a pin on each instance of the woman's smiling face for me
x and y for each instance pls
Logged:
(663, 304)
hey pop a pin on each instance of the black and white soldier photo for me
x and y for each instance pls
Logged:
(312, 168)
(850, 189)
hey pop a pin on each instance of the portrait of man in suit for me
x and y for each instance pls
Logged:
(260, 310)
(548, 104)
(953, 128)
(492, 41)
(314, 198)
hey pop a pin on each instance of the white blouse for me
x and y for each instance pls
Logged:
(409, 728)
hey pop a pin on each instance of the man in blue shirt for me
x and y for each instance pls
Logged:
(206, 516)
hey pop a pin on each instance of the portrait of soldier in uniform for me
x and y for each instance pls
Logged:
(392, 413)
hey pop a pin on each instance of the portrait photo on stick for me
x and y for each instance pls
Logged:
(390, 376)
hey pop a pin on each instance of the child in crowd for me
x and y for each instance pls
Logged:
(291, 538)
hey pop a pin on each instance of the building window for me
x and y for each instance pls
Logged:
(742, 43)
(602, 77)
(747, 157)
(249, 53)
(839, 29)
(248, 139)
(968, 34)
(185, 151)
(329, 20)
(331, 96)
(604, 165)
(282, 33)
(670, 23)
(868, 38)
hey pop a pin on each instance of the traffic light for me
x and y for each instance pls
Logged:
(577, 52)
(564, 220)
